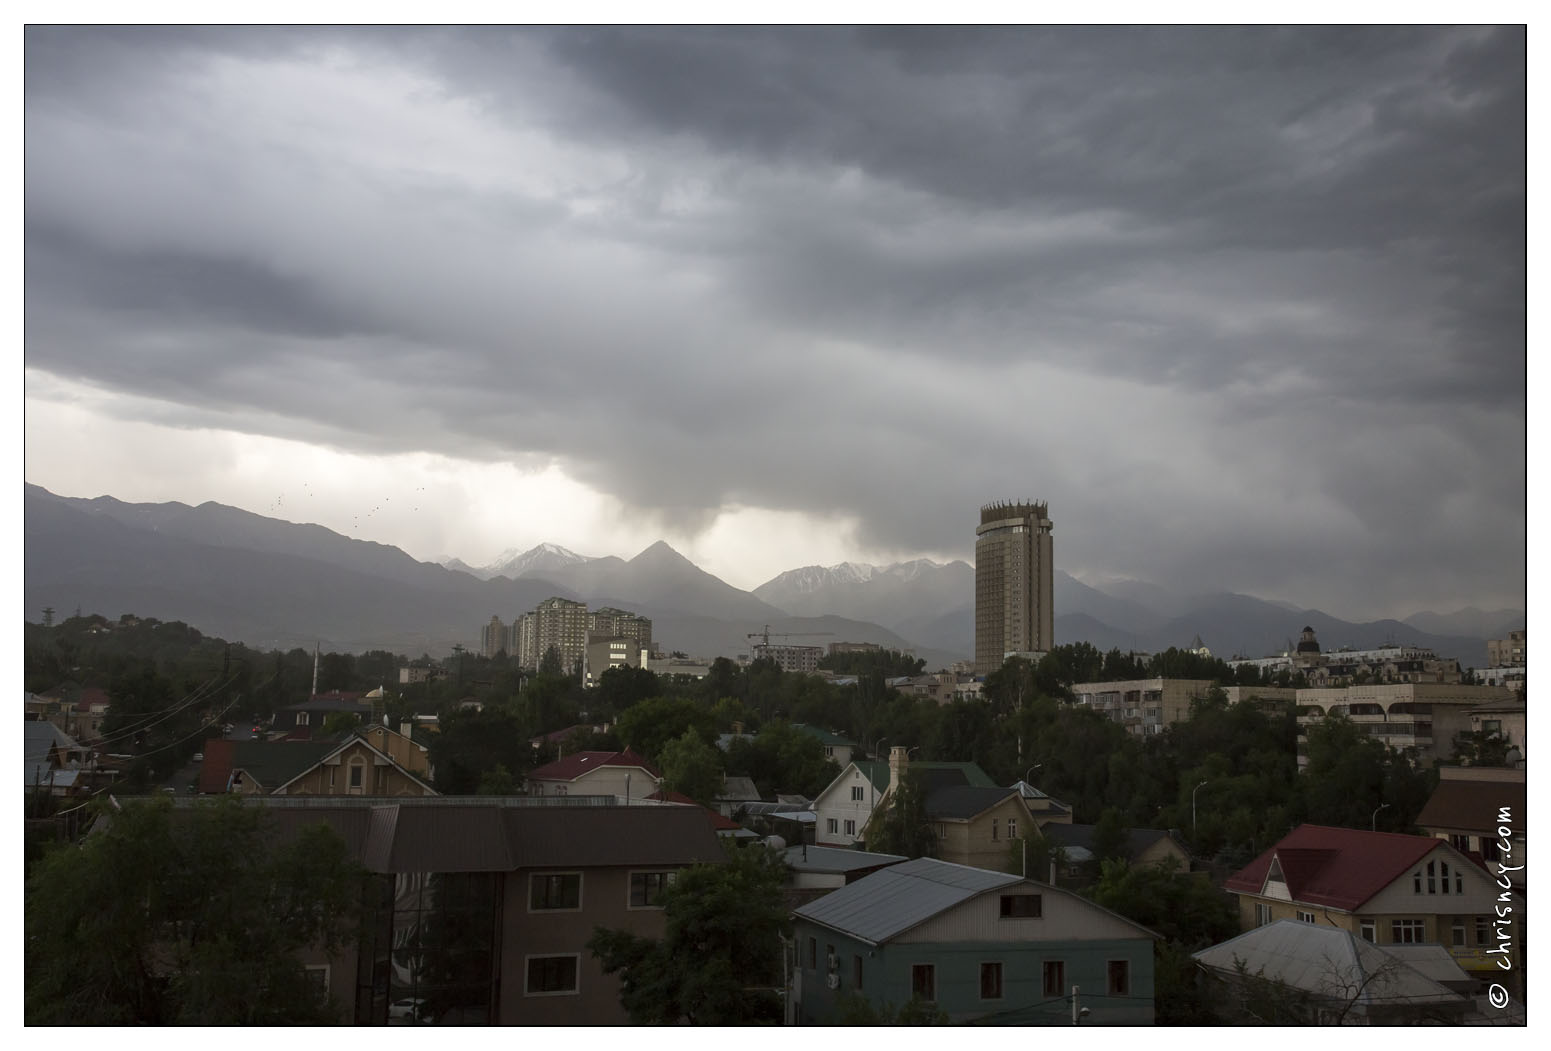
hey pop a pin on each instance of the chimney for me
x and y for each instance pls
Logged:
(899, 762)
(406, 730)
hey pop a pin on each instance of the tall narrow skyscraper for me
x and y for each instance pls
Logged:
(1014, 583)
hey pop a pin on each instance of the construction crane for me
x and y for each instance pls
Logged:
(767, 634)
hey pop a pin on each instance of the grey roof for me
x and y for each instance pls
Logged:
(1312, 958)
(39, 736)
(964, 801)
(894, 900)
(837, 859)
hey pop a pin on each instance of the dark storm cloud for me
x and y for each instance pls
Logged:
(887, 273)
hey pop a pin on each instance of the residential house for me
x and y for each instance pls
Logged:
(1143, 846)
(54, 764)
(982, 946)
(401, 747)
(257, 767)
(1470, 808)
(1388, 888)
(846, 805)
(306, 720)
(736, 794)
(1045, 808)
(1507, 721)
(480, 908)
(836, 747)
(355, 768)
(624, 774)
(1328, 976)
(978, 826)
(815, 871)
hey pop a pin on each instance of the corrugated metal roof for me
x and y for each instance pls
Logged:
(894, 900)
(1312, 958)
(837, 859)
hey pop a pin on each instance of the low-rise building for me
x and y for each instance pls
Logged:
(1387, 888)
(1471, 807)
(1145, 707)
(980, 946)
(623, 774)
(1423, 716)
(1326, 976)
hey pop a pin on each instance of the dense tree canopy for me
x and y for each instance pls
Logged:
(186, 917)
(719, 961)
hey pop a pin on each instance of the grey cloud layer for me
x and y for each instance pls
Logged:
(1247, 306)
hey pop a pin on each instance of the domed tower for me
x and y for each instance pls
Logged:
(1306, 655)
(1014, 583)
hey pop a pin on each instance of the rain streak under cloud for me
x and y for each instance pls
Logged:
(1247, 307)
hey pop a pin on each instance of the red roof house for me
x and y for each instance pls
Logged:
(1383, 887)
(624, 774)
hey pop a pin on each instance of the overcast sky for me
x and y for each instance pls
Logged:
(1247, 307)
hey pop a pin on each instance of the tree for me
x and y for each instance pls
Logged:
(692, 767)
(341, 723)
(647, 726)
(472, 743)
(192, 916)
(903, 827)
(782, 758)
(552, 663)
(718, 961)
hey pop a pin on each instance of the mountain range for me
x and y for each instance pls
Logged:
(271, 583)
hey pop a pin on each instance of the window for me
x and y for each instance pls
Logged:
(1020, 906)
(560, 890)
(832, 826)
(646, 888)
(1262, 914)
(1416, 882)
(1459, 931)
(1489, 848)
(991, 981)
(1443, 875)
(856, 793)
(1459, 881)
(1367, 930)
(1120, 978)
(993, 829)
(301, 718)
(332, 770)
(1483, 931)
(923, 981)
(355, 775)
(1012, 828)
(1055, 978)
(1305, 917)
(850, 827)
(1432, 883)
(856, 973)
(552, 975)
(1407, 931)
(318, 975)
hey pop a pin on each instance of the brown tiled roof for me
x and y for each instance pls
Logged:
(1471, 806)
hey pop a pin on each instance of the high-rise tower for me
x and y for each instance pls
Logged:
(1014, 583)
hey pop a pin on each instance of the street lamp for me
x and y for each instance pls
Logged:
(1373, 822)
(1193, 792)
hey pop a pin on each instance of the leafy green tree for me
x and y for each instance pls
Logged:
(551, 663)
(191, 917)
(692, 767)
(1110, 839)
(1480, 748)
(782, 758)
(647, 726)
(718, 962)
(619, 688)
(1188, 912)
(890, 664)
(472, 743)
(853, 1008)
(340, 723)
(903, 827)
(498, 781)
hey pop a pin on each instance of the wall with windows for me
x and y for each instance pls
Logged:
(986, 841)
(846, 803)
(1011, 981)
(547, 976)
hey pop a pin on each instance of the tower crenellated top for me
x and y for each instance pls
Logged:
(1013, 509)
